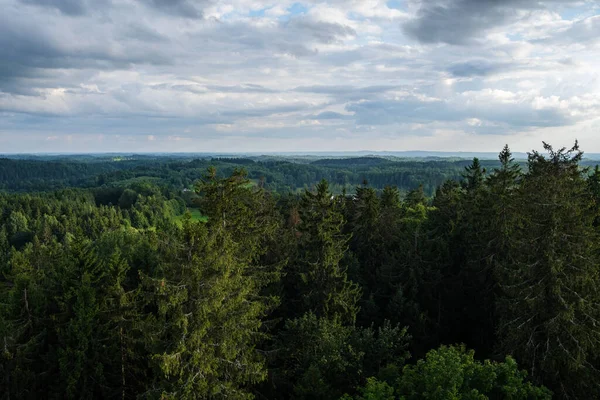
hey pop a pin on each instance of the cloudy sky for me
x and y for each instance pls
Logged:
(263, 76)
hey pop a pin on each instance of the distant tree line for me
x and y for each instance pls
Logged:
(282, 176)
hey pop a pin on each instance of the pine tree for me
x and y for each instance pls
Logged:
(415, 197)
(22, 332)
(443, 257)
(390, 198)
(207, 300)
(366, 243)
(79, 349)
(550, 316)
(319, 279)
(482, 208)
(234, 205)
(594, 188)
(474, 175)
(490, 219)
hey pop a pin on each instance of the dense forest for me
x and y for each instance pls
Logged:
(354, 279)
(276, 174)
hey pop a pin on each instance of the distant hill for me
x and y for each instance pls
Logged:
(353, 161)
(366, 157)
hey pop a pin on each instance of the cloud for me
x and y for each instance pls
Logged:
(506, 109)
(581, 32)
(478, 68)
(331, 115)
(462, 22)
(35, 55)
(323, 32)
(344, 89)
(242, 88)
(70, 7)
(179, 8)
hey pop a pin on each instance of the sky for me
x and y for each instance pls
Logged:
(283, 76)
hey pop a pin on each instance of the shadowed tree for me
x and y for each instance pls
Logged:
(550, 313)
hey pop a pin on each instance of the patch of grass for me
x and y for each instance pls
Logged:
(196, 216)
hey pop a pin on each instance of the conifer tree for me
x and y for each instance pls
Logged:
(390, 198)
(594, 188)
(490, 218)
(366, 243)
(23, 329)
(207, 299)
(415, 197)
(318, 277)
(443, 257)
(474, 175)
(550, 281)
(476, 275)
(234, 205)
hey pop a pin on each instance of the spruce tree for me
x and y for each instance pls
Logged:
(550, 280)
(207, 301)
(474, 175)
(442, 259)
(318, 277)
(367, 245)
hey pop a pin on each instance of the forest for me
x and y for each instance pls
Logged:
(277, 174)
(353, 279)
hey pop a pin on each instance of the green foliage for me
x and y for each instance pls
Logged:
(207, 318)
(318, 359)
(321, 359)
(117, 291)
(373, 390)
(549, 310)
(179, 172)
(474, 175)
(319, 279)
(127, 199)
(453, 373)
(194, 214)
(207, 299)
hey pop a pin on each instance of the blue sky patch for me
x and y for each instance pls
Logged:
(395, 4)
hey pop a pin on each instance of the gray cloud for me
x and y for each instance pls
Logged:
(345, 89)
(385, 112)
(413, 110)
(342, 94)
(461, 22)
(478, 68)
(31, 54)
(263, 111)
(143, 34)
(70, 7)
(243, 88)
(295, 36)
(331, 115)
(323, 32)
(180, 8)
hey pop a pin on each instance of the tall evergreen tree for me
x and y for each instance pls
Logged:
(367, 245)
(319, 279)
(474, 175)
(443, 257)
(207, 300)
(550, 282)
(594, 188)
(480, 238)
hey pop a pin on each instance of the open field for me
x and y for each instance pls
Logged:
(196, 216)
